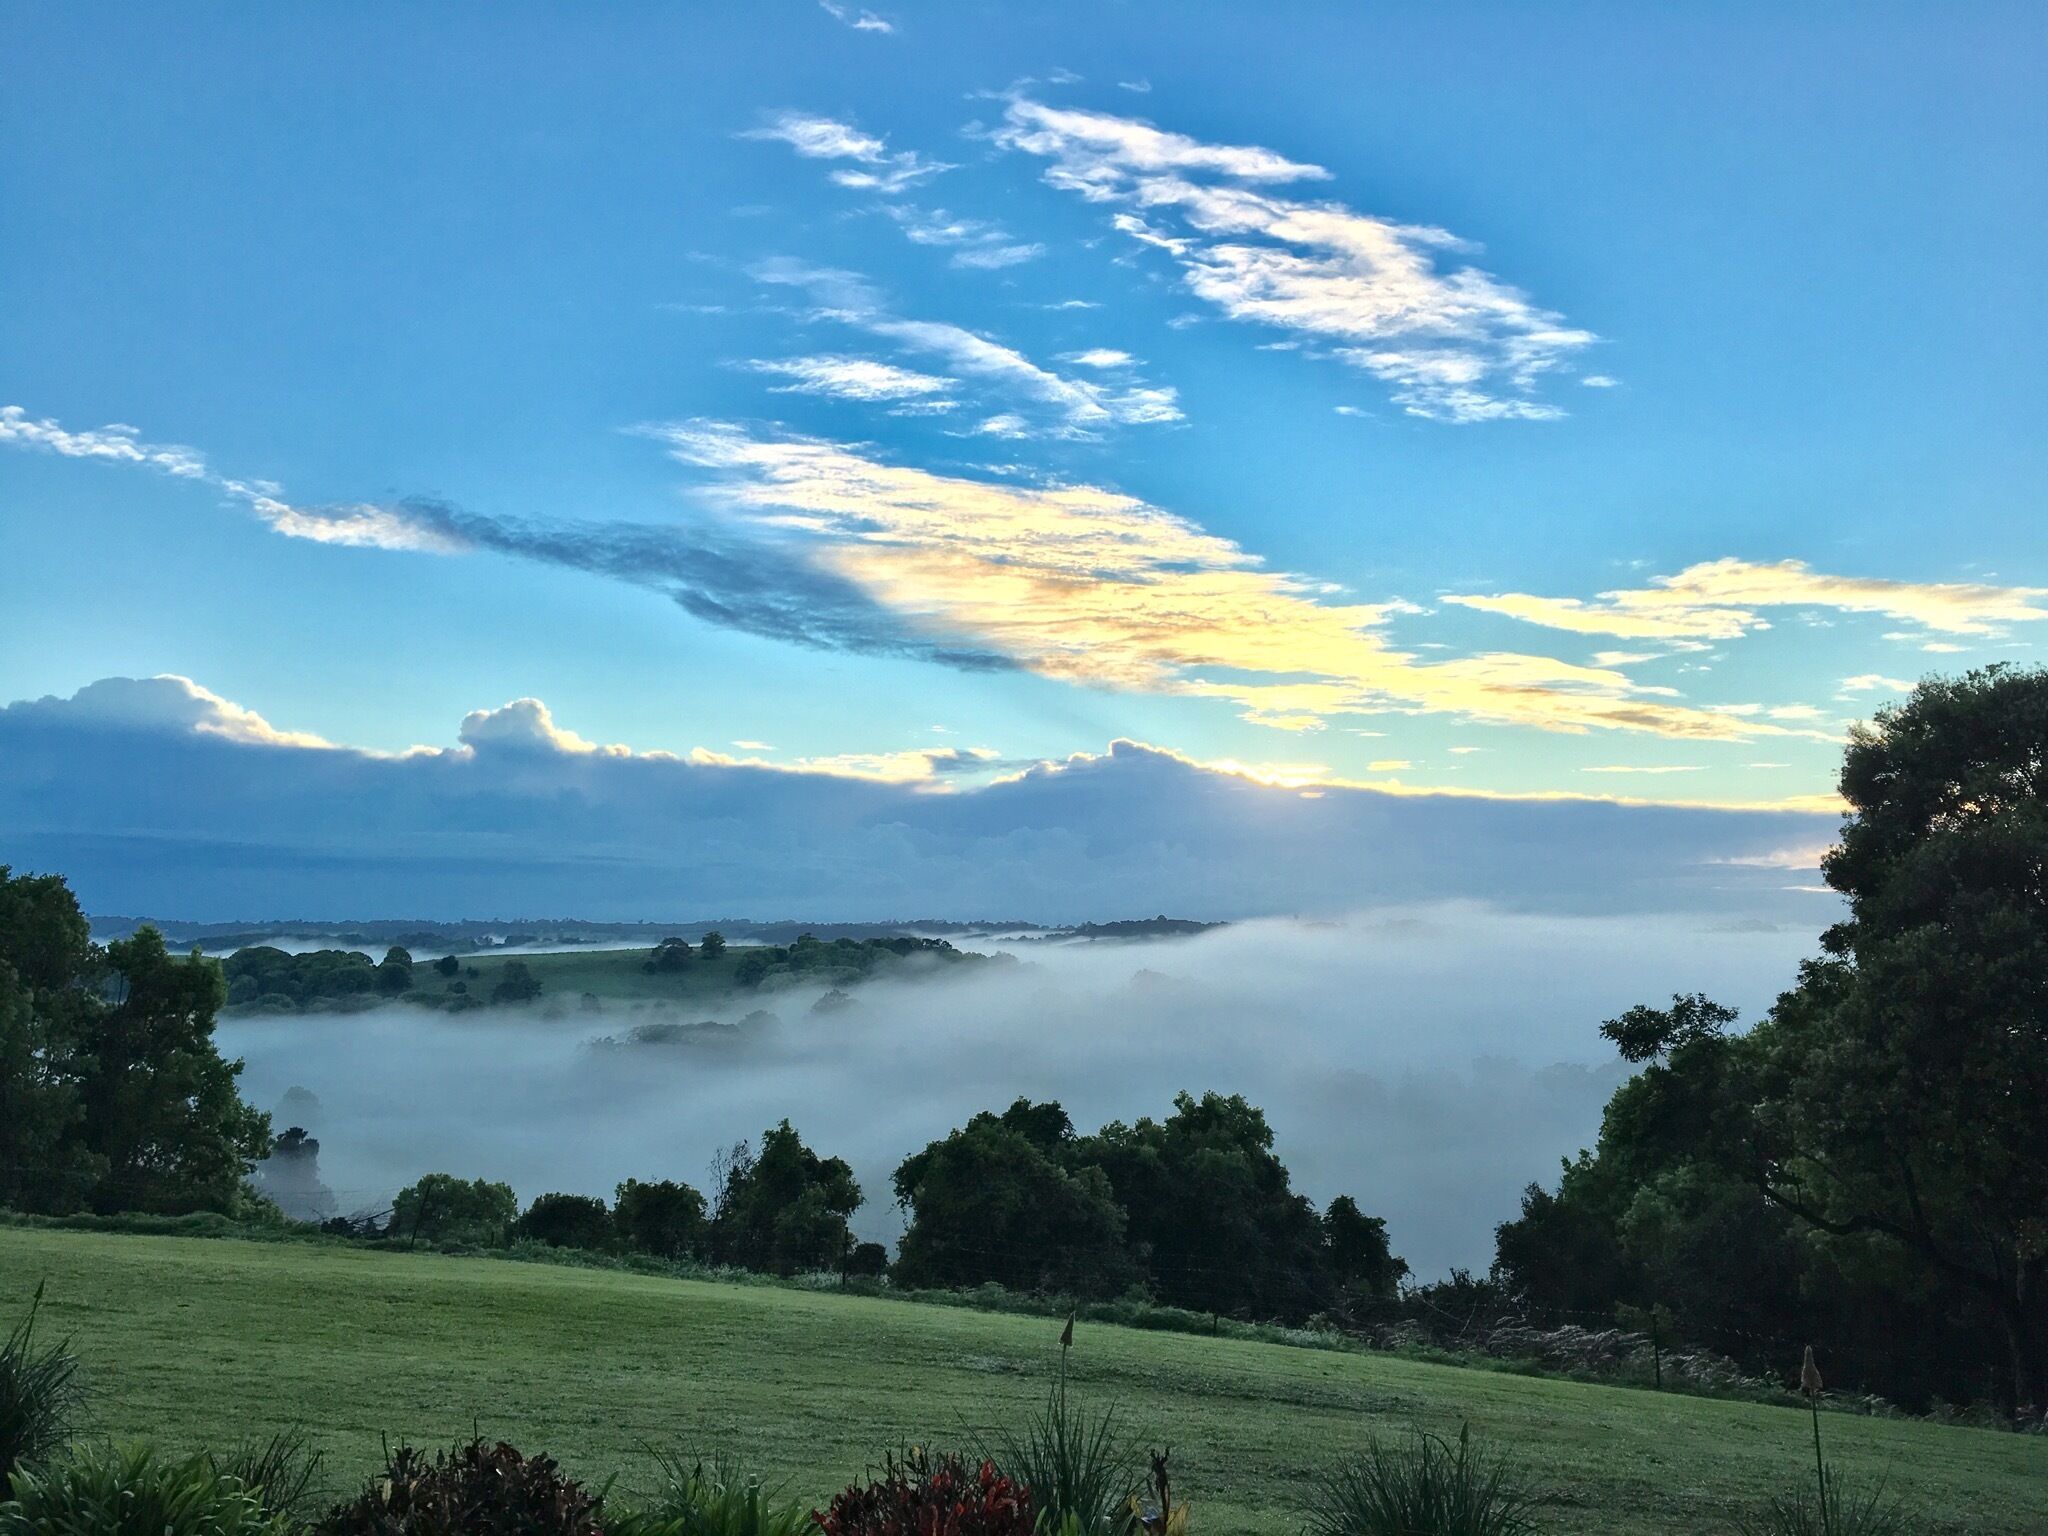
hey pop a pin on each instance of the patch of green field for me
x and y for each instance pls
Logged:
(192, 1342)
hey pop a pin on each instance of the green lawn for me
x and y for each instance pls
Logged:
(194, 1341)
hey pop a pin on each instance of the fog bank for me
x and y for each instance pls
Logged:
(1429, 1060)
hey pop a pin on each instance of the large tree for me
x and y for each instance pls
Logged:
(1906, 1075)
(112, 1092)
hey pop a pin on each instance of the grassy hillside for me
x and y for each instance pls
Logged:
(192, 1341)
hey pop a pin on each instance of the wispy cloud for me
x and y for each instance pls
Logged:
(826, 138)
(1452, 341)
(858, 378)
(818, 543)
(1098, 588)
(1076, 407)
(1873, 682)
(1099, 357)
(359, 525)
(859, 19)
(1719, 599)
(977, 242)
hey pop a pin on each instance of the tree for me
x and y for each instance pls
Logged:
(784, 1209)
(444, 1209)
(516, 984)
(566, 1221)
(1907, 1071)
(1360, 1257)
(660, 1217)
(990, 1203)
(395, 974)
(290, 1178)
(671, 954)
(447, 965)
(162, 1113)
(712, 944)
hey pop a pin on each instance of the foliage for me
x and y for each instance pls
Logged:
(783, 1209)
(1081, 1469)
(1865, 1167)
(444, 1209)
(1195, 1208)
(40, 1396)
(112, 1094)
(926, 1495)
(116, 1492)
(1830, 1509)
(671, 954)
(472, 1490)
(279, 1472)
(516, 983)
(447, 965)
(661, 1217)
(712, 945)
(715, 1500)
(565, 1221)
(989, 1202)
(265, 974)
(1425, 1488)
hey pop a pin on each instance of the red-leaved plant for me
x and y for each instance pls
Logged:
(931, 1496)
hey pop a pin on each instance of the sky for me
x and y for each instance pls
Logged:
(1430, 417)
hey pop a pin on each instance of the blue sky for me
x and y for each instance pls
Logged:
(1290, 388)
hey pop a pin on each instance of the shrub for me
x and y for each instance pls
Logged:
(1829, 1509)
(1428, 1488)
(718, 1500)
(1082, 1472)
(566, 1221)
(111, 1492)
(932, 1496)
(277, 1472)
(40, 1395)
(473, 1490)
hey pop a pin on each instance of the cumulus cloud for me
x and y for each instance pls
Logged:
(1071, 407)
(1719, 599)
(158, 796)
(876, 168)
(1453, 342)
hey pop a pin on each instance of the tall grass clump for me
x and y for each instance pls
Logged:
(715, 1500)
(281, 1472)
(1082, 1470)
(1829, 1508)
(1427, 1488)
(40, 1397)
(107, 1491)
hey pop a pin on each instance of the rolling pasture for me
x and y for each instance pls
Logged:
(192, 1342)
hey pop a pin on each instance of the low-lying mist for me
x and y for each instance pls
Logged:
(1430, 1061)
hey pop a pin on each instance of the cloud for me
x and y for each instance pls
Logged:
(1718, 599)
(815, 543)
(362, 526)
(1869, 682)
(858, 19)
(979, 243)
(857, 378)
(1141, 86)
(1453, 342)
(1076, 407)
(826, 138)
(156, 795)
(1100, 357)
(1094, 587)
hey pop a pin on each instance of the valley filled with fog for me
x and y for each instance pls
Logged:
(1429, 1060)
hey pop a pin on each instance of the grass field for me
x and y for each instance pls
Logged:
(193, 1341)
